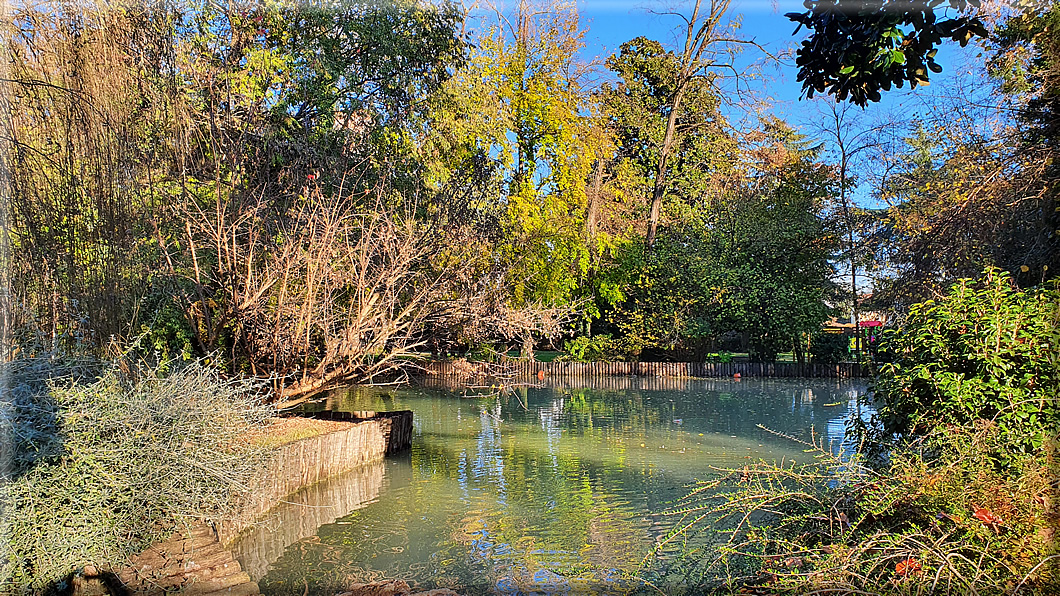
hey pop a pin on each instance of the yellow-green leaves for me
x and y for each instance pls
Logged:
(519, 102)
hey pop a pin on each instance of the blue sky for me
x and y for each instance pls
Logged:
(609, 23)
(612, 22)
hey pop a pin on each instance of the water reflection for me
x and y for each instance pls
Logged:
(303, 513)
(550, 489)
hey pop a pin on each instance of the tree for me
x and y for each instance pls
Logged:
(753, 261)
(668, 129)
(783, 242)
(974, 186)
(851, 143)
(84, 108)
(961, 202)
(657, 86)
(519, 108)
(858, 48)
(1026, 63)
(241, 183)
(1029, 43)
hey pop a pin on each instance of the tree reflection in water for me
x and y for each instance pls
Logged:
(550, 489)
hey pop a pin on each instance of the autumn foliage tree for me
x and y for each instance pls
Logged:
(241, 183)
(521, 105)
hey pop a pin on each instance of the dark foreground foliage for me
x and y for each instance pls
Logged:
(940, 518)
(954, 489)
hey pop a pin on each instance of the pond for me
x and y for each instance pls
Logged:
(548, 489)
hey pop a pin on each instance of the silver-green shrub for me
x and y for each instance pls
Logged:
(102, 462)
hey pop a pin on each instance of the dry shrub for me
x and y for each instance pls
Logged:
(80, 115)
(326, 291)
(941, 518)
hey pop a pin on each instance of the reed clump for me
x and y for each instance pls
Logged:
(105, 460)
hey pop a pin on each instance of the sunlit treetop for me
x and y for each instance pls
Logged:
(859, 48)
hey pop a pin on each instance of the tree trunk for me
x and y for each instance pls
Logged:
(660, 171)
(594, 201)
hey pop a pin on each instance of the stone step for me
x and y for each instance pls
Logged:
(197, 588)
(218, 572)
(196, 563)
(174, 548)
(247, 589)
(155, 569)
(165, 555)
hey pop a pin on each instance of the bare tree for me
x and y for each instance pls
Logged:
(329, 292)
(852, 141)
(709, 48)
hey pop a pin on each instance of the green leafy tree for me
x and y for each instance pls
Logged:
(658, 85)
(662, 115)
(308, 90)
(753, 262)
(519, 108)
(672, 153)
(782, 243)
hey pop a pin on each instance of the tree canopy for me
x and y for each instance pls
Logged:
(313, 194)
(859, 48)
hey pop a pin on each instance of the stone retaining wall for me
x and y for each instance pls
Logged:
(300, 515)
(198, 561)
(308, 461)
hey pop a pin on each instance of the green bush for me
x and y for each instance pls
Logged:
(166, 333)
(986, 350)
(971, 381)
(103, 465)
(829, 348)
(599, 348)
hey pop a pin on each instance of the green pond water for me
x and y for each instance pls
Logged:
(546, 490)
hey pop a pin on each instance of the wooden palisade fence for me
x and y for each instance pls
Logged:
(843, 370)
